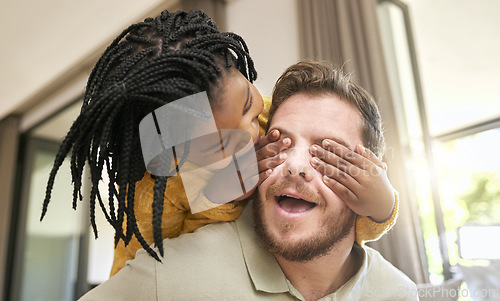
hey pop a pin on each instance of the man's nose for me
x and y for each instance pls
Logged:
(297, 164)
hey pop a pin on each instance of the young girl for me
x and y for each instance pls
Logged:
(150, 64)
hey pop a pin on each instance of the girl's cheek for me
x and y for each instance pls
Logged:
(254, 132)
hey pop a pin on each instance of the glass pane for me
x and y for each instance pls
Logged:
(101, 250)
(469, 181)
(458, 46)
(48, 264)
(474, 242)
(51, 247)
(403, 91)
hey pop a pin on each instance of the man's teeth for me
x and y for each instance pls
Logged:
(283, 196)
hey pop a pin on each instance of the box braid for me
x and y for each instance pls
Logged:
(149, 64)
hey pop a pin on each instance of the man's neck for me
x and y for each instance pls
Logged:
(323, 275)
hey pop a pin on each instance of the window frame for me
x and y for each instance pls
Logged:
(427, 139)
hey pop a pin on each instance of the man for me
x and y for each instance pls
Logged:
(300, 243)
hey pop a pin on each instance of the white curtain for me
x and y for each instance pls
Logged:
(346, 33)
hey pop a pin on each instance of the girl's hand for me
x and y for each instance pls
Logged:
(268, 150)
(357, 176)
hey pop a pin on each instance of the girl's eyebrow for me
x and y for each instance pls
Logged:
(247, 107)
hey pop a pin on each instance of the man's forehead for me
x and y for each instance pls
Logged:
(319, 117)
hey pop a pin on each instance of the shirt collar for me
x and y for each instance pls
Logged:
(353, 288)
(266, 274)
(263, 268)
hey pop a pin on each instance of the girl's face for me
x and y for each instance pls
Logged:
(237, 104)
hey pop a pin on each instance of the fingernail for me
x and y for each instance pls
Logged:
(326, 143)
(269, 171)
(286, 141)
(326, 179)
(282, 156)
(314, 148)
(315, 161)
(274, 134)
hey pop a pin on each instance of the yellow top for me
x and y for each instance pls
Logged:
(178, 219)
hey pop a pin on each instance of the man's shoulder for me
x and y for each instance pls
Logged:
(385, 279)
(378, 262)
(208, 262)
(204, 265)
(207, 245)
(204, 236)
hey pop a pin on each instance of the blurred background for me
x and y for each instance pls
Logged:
(431, 65)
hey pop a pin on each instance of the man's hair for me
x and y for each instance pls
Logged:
(149, 64)
(322, 78)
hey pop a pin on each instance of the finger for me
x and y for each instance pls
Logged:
(272, 149)
(354, 170)
(331, 171)
(347, 154)
(340, 190)
(367, 153)
(272, 136)
(271, 162)
(264, 175)
(330, 157)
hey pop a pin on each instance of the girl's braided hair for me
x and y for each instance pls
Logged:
(149, 64)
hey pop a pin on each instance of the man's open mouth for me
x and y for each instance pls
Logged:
(292, 204)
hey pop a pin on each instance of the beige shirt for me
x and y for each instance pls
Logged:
(224, 261)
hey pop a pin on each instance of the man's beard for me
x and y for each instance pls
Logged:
(335, 227)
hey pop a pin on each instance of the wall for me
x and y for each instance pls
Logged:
(41, 40)
(270, 29)
(62, 44)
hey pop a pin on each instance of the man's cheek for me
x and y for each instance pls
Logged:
(264, 186)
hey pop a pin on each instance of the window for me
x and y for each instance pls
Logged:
(469, 182)
(58, 258)
(46, 254)
(444, 75)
